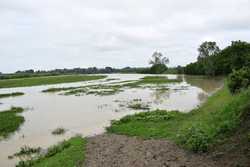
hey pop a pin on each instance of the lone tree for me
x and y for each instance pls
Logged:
(206, 52)
(159, 63)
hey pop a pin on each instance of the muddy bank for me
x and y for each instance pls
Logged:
(109, 150)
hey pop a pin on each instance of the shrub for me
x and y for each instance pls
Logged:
(239, 79)
(158, 69)
(195, 139)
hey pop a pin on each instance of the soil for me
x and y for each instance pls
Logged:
(110, 150)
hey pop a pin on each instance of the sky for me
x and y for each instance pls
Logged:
(48, 34)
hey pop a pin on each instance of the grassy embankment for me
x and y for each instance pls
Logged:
(67, 154)
(10, 121)
(196, 130)
(11, 94)
(22, 82)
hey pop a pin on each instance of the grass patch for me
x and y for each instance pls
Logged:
(53, 90)
(34, 81)
(153, 80)
(11, 94)
(101, 90)
(68, 153)
(58, 131)
(10, 121)
(196, 130)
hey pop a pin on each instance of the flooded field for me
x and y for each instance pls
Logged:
(89, 114)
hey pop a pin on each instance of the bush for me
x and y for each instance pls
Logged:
(195, 139)
(158, 69)
(239, 79)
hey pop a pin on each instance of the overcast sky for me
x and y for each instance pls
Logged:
(47, 34)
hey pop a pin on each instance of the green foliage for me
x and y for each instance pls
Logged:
(10, 121)
(67, 154)
(196, 130)
(239, 79)
(9, 83)
(154, 116)
(158, 63)
(207, 49)
(195, 138)
(158, 69)
(11, 94)
(233, 57)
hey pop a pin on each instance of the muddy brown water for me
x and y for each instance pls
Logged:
(88, 115)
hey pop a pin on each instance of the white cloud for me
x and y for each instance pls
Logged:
(47, 34)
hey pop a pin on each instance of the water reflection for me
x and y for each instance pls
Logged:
(160, 95)
(207, 84)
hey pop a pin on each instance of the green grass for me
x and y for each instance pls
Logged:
(153, 80)
(10, 121)
(34, 81)
(196, 130)
(11, 94)
(68, 153)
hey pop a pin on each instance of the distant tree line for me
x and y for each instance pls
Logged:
(65, 71)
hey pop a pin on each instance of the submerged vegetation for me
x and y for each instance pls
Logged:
(26, 152)
(58, 131)
(153, 80)
(196, 130)
(113, 88)
(137, 104)
(34, 81)
(67, 153)
(11, 94)
(10, 121)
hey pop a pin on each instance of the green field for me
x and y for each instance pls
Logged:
(11, 94)
(10, 121)
(156, 80)
(68, 153)
(22, 82)
(196, 130)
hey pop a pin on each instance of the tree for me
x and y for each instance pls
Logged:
(158, 58)
(158, 63)
(207, 51)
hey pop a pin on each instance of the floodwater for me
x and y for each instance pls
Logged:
(89, 114)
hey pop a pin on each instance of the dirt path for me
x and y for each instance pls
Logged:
(109, 150)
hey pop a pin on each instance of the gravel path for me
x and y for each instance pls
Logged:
(109, 150)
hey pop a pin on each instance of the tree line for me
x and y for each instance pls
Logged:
(213, 61)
